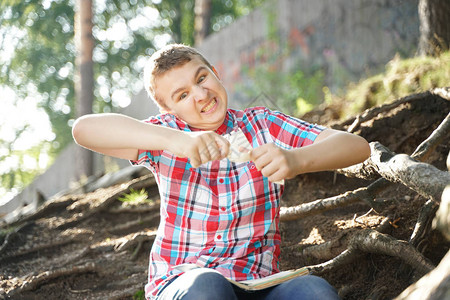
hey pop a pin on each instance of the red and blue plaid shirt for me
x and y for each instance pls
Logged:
(221, 215)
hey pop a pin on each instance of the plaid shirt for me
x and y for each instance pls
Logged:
(221, 215)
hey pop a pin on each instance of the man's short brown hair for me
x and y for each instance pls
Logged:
(165, 59)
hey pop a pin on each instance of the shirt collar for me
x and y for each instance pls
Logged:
(227, 125)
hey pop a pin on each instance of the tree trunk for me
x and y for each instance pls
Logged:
(84, 81)
(434, 18)
(202, 20)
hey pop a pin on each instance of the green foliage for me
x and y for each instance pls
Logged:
(402, 77)
(135, 197)
(42, 67)
(295, 91)
(139, 295)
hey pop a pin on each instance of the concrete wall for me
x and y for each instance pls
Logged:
(347, 38)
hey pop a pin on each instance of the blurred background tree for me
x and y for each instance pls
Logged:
(37, 63)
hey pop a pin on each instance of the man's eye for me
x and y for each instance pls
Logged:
(201, 78)
(183, 95)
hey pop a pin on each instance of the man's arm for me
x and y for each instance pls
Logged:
(122, 136)
(332, 149)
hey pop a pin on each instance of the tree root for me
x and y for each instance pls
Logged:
(48, 207)
(366, 194)
(121, 189)
(40, 248)
(139, 237)
(129, 225)
(423, 225)
(423, 178)
(135, 210)
(366, 171)
(371, 241)
(38, 280)
(12, 234)
(437, 136)
(433, 286)
(373, 112)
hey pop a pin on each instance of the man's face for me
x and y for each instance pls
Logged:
(194, 94)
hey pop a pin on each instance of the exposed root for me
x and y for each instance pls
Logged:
(132, 224)
(11, 235)
(366, 194)
(49, 206)
(38, 280)
(140, 237)
(366, 171)
(137, 183)
(437, 136)
(371, 241)
(325, 250)
(40, 248)
(433, 286)
(423, 225)
(135, 210)
(423, 178)
(373, 112)
(346, 257)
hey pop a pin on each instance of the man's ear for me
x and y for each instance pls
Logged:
(215, 71)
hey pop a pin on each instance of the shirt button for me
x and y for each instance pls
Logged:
(219, 237)
(221, 180)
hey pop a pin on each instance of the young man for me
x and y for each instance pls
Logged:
(217, 215)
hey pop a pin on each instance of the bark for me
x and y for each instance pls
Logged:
(365, 171)
(434, 26)
(38, 280)
(442, 219)
(423, 225)
(84, 81)
(202, 20)
(371, 241)
(366, 194)
(433, 286)
(423, 178)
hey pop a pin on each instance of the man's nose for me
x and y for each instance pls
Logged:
(200, 93)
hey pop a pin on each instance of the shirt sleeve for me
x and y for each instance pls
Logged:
(149, 158)
(289, 132)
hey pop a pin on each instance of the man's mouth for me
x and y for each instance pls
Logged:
(209, 106)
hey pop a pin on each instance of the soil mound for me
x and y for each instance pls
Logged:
(92, 246)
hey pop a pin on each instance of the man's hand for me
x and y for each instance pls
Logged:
(200, 147)
(274, 162)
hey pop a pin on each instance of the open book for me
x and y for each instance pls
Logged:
(269, 281)
(260, 283)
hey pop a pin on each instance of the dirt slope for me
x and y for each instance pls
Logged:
(90, 246)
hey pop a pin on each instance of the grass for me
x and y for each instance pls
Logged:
(401, 77)
(135, 198)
